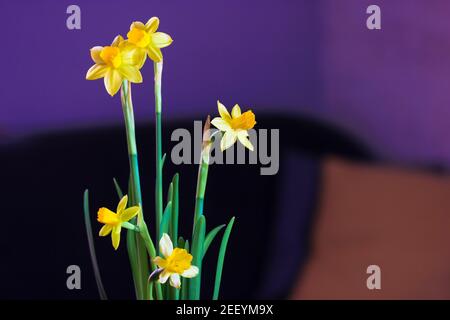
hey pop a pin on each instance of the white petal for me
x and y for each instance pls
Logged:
(175, 280)
(223, 111)
(242, 136)
(220, 124)
(165, 245)
(164, 276)
(236, 111)
(228, 139)
(190, 273)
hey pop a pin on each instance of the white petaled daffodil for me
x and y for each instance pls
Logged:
(234, 126)
(176, 263)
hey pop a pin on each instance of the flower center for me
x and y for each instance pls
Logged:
(245, 121)
(138, 37)
(179, 261)
(106, 216)
(111, 56)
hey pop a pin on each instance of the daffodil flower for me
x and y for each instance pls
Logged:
(113, 221)
(145, 37)
(115, 63)
(234, 126)
(176, 263)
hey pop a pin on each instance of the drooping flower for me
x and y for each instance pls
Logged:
(234, 126)
(115, 63)
(145, 37)
(176, 263)
(113, 221)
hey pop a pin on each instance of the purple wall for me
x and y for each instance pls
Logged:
(390, 87)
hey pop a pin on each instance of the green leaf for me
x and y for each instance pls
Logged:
(169, 193)
(173, 228)
(184, 294)
(163, 160)
(164, 228)
(210, 237)
(181, 242)
(90, 236)
(118, 190)
(175, 204)
(197, 253)
(220, 260)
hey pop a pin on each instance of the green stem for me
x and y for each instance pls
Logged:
(201, 187)
(130, 226)
(159, 185)
(140, 269)
(152, 253)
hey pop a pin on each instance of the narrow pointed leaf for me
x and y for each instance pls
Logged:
(210, 237)
(184, 295)
(181, 242)
(169, 193)
(220, 260)
(164, 227)
(197, 253)
(175, 204)
(87, 221)
(118, 189)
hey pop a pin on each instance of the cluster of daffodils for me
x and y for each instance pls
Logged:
(123, 59)
(171, 271)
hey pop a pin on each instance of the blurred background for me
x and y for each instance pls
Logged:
(364, 154)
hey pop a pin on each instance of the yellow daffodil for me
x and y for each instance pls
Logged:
(115, 63)
(234, 126)
(145, 37)
(176, 263)
(113, 221)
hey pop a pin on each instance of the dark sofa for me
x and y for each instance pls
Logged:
(43, 179)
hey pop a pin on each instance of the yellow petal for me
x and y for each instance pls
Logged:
(165, 245)
(228, 139)
(122, 204)
(117, 41)
(152, 25)
(220, 124)
(115, 236)
(133, 56)
(191, 272)
(131, 73)
(129, 213)
(243, 138)
(113, 81)
(160, 262)
(95, 54)
(161, 39)
(105, 230)
(175, 280)
(154, 53)
(223, 111)
(138, 25)
(97, 71)
(236, 111)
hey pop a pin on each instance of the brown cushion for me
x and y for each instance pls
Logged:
(396, 219)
